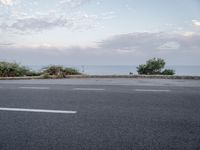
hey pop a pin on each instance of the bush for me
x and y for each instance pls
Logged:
(168, 72)
(60, 71)
(46, 76)
(142, 69)
(33, 73)
(71, 71)
(8, 69)
(154, 66)
(54, 70)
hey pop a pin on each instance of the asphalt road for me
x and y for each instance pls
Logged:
(100, 114)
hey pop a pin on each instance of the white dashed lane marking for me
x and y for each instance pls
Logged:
(37, 110)
(35, 88)
(150, 90)
(88, 89)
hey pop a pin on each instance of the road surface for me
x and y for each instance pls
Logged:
(100, 114)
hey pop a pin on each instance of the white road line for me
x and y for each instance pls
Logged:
(35, 88)
(38, 110)
(88, 89)
(150, 90)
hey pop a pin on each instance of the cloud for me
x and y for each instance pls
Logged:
(72, 3)
(20, 20)
(196, 23)
(6, 2)
(170, 46)
(131, 48)
(48, 54)
(108, 15)
(152, 42)
(6, 44)
(45, 21)
(34, 23)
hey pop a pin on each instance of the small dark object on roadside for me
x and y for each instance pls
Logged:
(130, 73)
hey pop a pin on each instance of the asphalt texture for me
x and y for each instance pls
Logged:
(112, 114)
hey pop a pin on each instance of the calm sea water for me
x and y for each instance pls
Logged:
(125, 69)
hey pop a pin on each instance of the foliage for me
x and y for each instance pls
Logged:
(46, 76)
(9, 69)
(154, 66)
(71, 71)
(60, 71)
(53, 70)
(142, 69)
(33, 73)
(168, 72)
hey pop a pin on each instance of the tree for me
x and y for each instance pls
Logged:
(154, 66)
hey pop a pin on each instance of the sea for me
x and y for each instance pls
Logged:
(122, 69)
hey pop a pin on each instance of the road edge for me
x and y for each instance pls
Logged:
(108, 76)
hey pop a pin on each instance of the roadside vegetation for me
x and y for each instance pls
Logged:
(154, 66)
(58, 72)
(12, 69)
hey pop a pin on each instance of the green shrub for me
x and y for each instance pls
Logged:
(142, 69)
(46, 76)
(60, 71)
(8, 69)
(168, 72)
(33, 73)
(71, 71)
(53, 70)
(154, 66)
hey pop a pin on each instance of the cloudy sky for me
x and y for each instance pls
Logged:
(99, 32)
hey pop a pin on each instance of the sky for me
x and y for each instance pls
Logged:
(99, 32)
